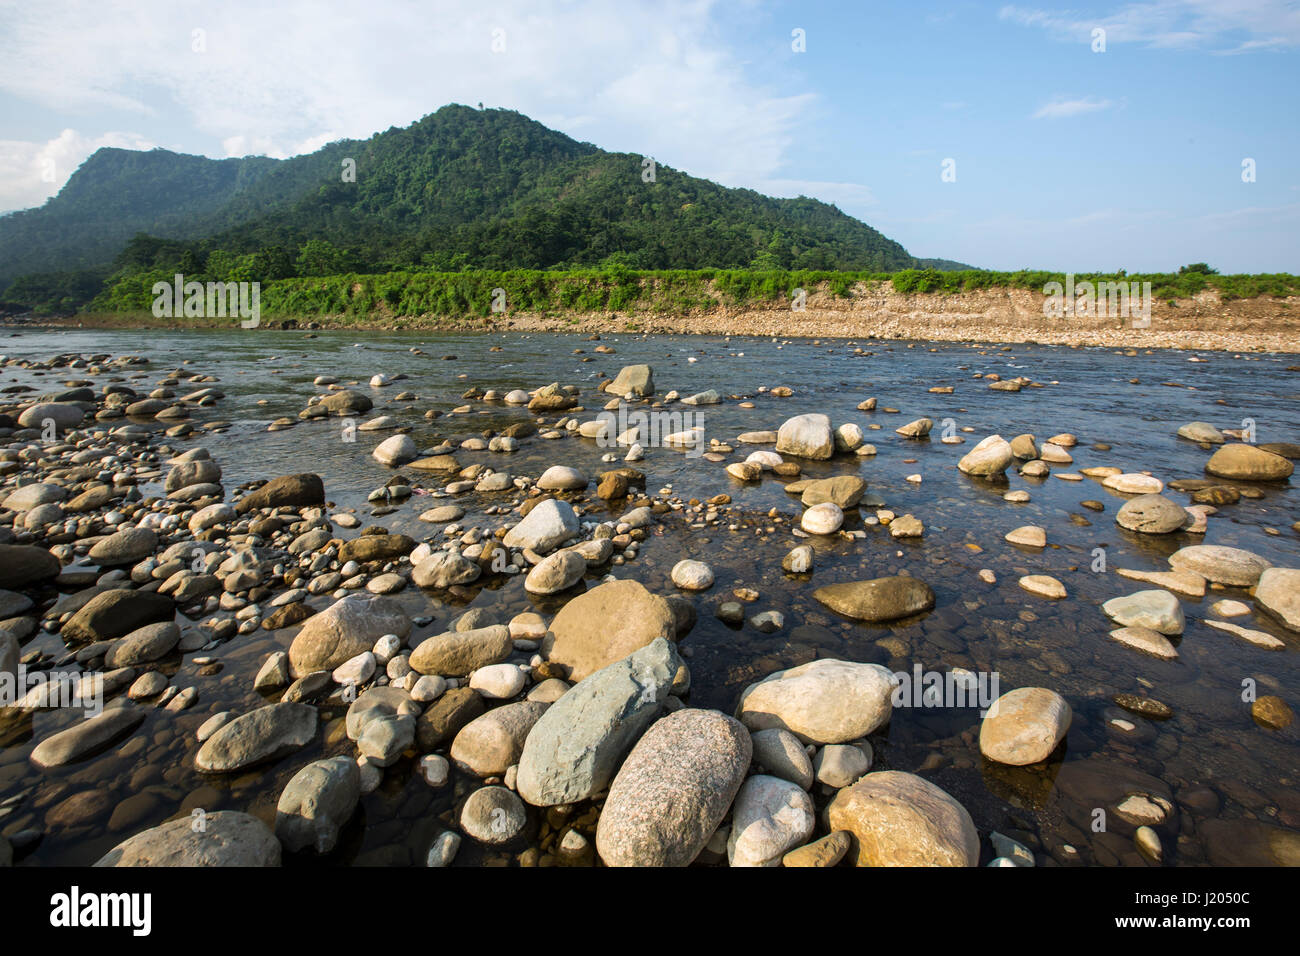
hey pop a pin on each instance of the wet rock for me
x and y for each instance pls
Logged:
(605, 625)
(24, 564)
(458, 653)
(87, 737)
(899, 819)
(316, 803)
(880, 599)
(493, 815)
(446, 716)
(548, 525)
(1248, 463)
(673, 790)
(493, 742)
(444, 569)
(114, 613)
(555, 573)
(1151, 514)
(343, 630)
(845, 491)
(149, 643)
(1024, 726)
(692, 575)
(266, 733)
(637, 380)
(806, 436)
(1278, 593)
(781, 754)
(770, 817)
(286, 491)
(1201, 432)
(992, 456)
(1145, 640)
(227, 838)
(1220, 564)
(1157, 610)
(823, 701)
(572, 751)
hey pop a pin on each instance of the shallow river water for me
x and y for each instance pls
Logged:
(1233, 782)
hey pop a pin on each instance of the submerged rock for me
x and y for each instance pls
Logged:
(899, 819)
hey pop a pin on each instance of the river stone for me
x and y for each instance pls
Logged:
(376, 547)
(343, 630)
(562, 478)
(556, 572)
(1155, 609)
(823, 702)
(1133, 484)
(24, 564)
(87, 737)
(227, 838)
(376, 703)
(125, 547)
(444, 569)
(1145, 640)
(65, 415)
(1151, 514)
(548, 525)
(1024, 726)
(605, 625)
(446, 716)
(458, 653)
(635, 379)
(781, 754)
(826, 852)
(1248, 463)
(201, 471)
(114, 613)
(1278, 593)
(1202, 432)
(571, 752)
(992, 456)
(266, 733)
(1220, 564)
(149, 643)
(316, 803)
(286, 491)
(824, 518)
(880, 599)
(842, 490)
(490, 744)
(395, 451)
(32, 496)
(899, 819)
(673, 790)
(493, 815)
(806, 436)
(690, 575)
(346, 402)
(1028, 536)
(770, 817)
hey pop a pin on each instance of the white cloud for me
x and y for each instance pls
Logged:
(31, 173)
(653, 77)
(1064, 107)
(1177, 24)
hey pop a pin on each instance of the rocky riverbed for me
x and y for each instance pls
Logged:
(559, 600)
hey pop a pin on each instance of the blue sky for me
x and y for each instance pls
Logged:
(1064, 158)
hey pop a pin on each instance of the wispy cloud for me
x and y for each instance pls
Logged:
(1064, 107)
(1219, 26)
(658, 78)
(32, 172)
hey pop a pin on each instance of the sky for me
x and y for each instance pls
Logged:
(1002, 135)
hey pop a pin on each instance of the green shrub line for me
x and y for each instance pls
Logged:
(621, 290)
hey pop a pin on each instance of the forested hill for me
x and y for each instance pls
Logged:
(461, 188)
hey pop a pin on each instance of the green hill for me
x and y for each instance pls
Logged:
(459, 189)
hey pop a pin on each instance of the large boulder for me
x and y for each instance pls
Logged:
(491, 744)
(24, 564)
(1278, 593)
(771, 816)
(125, 547)
(806, 436)
(990, 457)
(64, 415)
(880, 599)
(343, 630)
(285, 491)
(1152, 514)
(1220, 564)
(1024, 726)
(899, 819)
(87, 737)
(572, 751)
(673, 790)
(823, 702)
(266, 733)
(458, 653)
(548, 525)
(316, 803)
(638, 380)
(842, 490)
(1246, 462)
(605, 625)
(111, 614)
(226, 838)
